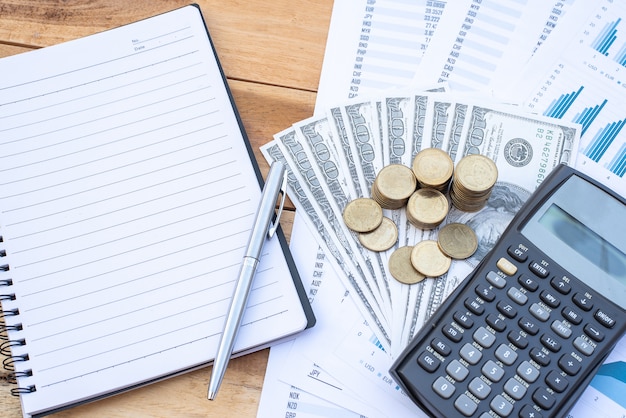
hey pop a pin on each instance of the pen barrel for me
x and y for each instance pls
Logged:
(265, 211)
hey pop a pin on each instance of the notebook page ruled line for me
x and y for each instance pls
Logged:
(126, 200)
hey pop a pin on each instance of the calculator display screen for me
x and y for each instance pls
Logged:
(582, 228)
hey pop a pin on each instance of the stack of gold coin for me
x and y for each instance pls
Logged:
(427, 208)
(433, 169)
(474, 178)
(393, 186)
(363, 215)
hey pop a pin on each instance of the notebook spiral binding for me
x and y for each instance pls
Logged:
(10, 359)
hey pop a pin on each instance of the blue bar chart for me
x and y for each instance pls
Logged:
(607, 36)
(603, 139)
(617, 164)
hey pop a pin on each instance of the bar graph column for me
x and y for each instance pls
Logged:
(588, 115)
(618, 164)
(603, 140)
(606, 37)
(558, 107)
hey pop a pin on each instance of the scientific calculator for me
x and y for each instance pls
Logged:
(526, 331)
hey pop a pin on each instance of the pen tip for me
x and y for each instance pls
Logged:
(212, 395)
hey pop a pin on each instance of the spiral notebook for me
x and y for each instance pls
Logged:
(128, 190)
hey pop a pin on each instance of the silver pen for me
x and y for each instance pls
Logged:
(262, 229)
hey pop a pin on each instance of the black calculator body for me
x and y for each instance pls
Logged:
(525, 332)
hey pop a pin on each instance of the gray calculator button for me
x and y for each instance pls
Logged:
(457, 371)
(517, 296)
(501, 406)
(538, 312)
(527, 372)
(506, 355)
(470, 353)
(561, 329)
(492, 371)
(484, 337)
(496, 280)
(465, 405)
(443, 388)
(479, 388)
(514, 389)
(583, 346)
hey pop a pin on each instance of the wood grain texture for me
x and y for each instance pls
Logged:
(272, 54)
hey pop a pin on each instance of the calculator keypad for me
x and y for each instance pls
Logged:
(516, 341)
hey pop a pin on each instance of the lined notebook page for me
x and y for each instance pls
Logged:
(127, 197)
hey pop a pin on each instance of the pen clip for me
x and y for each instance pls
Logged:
(283, 191)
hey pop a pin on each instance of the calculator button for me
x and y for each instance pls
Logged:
(501, 406)
(517, 339)
(514, 389)
(441, 346)
(538, 269)
(518, 253)
(505, 354)
(540, 357)
(452, 333)
(506, 309)
(463, 320)
(470, 353)
(529, 326)
(527, 372)
(492, 371)
(583, 346)
(479, 388)
(569, 364)
(561, 329)
(561, 285)
(604, 318)
(506, 266)
(593, 332)
(428, 362)
(485, 293)
(475, 306)
(556, 382)
(465, 405)
(484, 337)
(539, 312)
(496, 280)
(543, 398)
(529, 412)
(495, 322)
(528, 282)
(517, 295)
(572, 316)
(549, 299)
(551, 343)
(582, 301)
(457, 371)
(443, 388)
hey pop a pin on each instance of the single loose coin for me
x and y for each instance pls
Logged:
(428, 259)
(401, 268)
(382, 238)
(363, 215)
(457, 240)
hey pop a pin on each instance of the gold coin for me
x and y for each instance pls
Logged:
(394, 184)
(401, 268)
(382, 238)
(433, 167)
(427, 258)
(476, 173)
(363, 215)
(427, 208)
(457, 241)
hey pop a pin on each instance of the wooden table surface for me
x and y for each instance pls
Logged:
(272, 54)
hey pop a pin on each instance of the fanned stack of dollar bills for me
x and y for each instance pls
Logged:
(333, 158)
